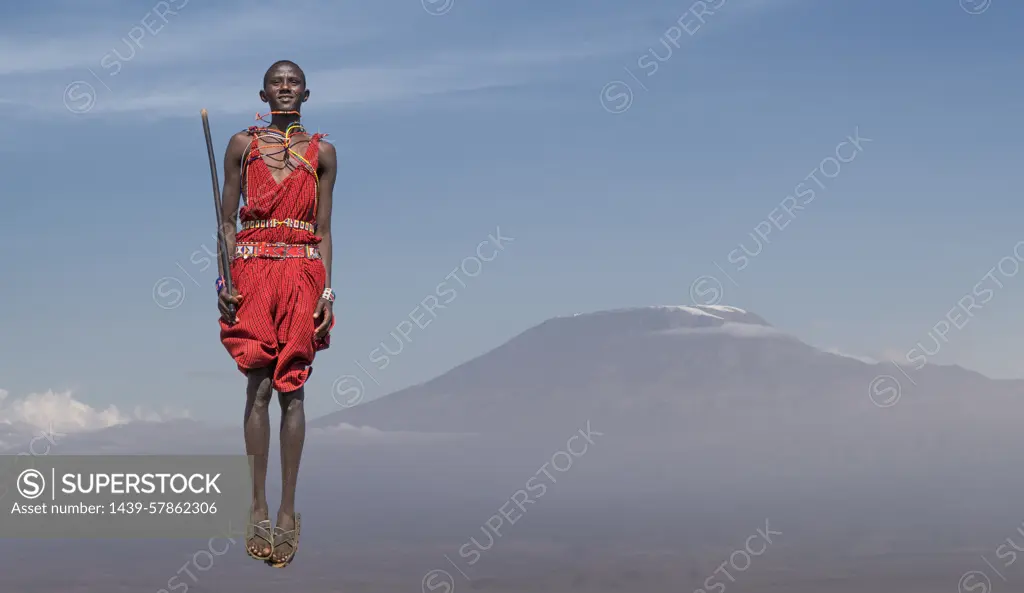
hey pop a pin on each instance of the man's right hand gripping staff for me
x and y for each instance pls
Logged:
(227, 303)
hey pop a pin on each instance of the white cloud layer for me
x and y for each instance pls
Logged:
(61, 412)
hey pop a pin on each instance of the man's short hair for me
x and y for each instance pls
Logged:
(266, 77)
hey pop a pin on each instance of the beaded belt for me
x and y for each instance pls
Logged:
(274, 223)
(275, 250)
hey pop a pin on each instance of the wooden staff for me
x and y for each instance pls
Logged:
(222, 244)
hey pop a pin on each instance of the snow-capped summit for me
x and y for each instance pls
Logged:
(668, 317)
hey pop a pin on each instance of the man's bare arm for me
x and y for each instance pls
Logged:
(328, 174)
(232, 193)
(324, 314)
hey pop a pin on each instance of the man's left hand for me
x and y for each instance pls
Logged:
(324, 314)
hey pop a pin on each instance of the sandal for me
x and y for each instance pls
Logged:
(259, 531)
(289, 537)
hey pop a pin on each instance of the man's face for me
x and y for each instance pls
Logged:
(285, 89)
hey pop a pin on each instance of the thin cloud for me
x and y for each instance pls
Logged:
(369, 434)
(864, 359)
(355, 57)
(739, 330)
(229, 93)
(154, 39)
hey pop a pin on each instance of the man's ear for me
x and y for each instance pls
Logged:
(263, 97)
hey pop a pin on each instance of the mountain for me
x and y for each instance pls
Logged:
(661, 382)
(704, 424)
(655, 370)
(715, 392)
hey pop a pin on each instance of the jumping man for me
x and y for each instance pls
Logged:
(281, 269)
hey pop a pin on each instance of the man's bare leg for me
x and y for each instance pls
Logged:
(293, 436)
(258, 394)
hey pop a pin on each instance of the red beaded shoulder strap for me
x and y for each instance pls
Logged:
(314, 164)
(314, 160)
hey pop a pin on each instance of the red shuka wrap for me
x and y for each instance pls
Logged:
(275, 325)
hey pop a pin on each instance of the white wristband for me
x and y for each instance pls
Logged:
(328, 294)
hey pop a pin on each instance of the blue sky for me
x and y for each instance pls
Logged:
(490, 116)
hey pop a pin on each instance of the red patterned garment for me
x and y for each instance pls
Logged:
(274, 322)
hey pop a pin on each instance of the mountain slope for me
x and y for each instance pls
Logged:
(651, 369)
